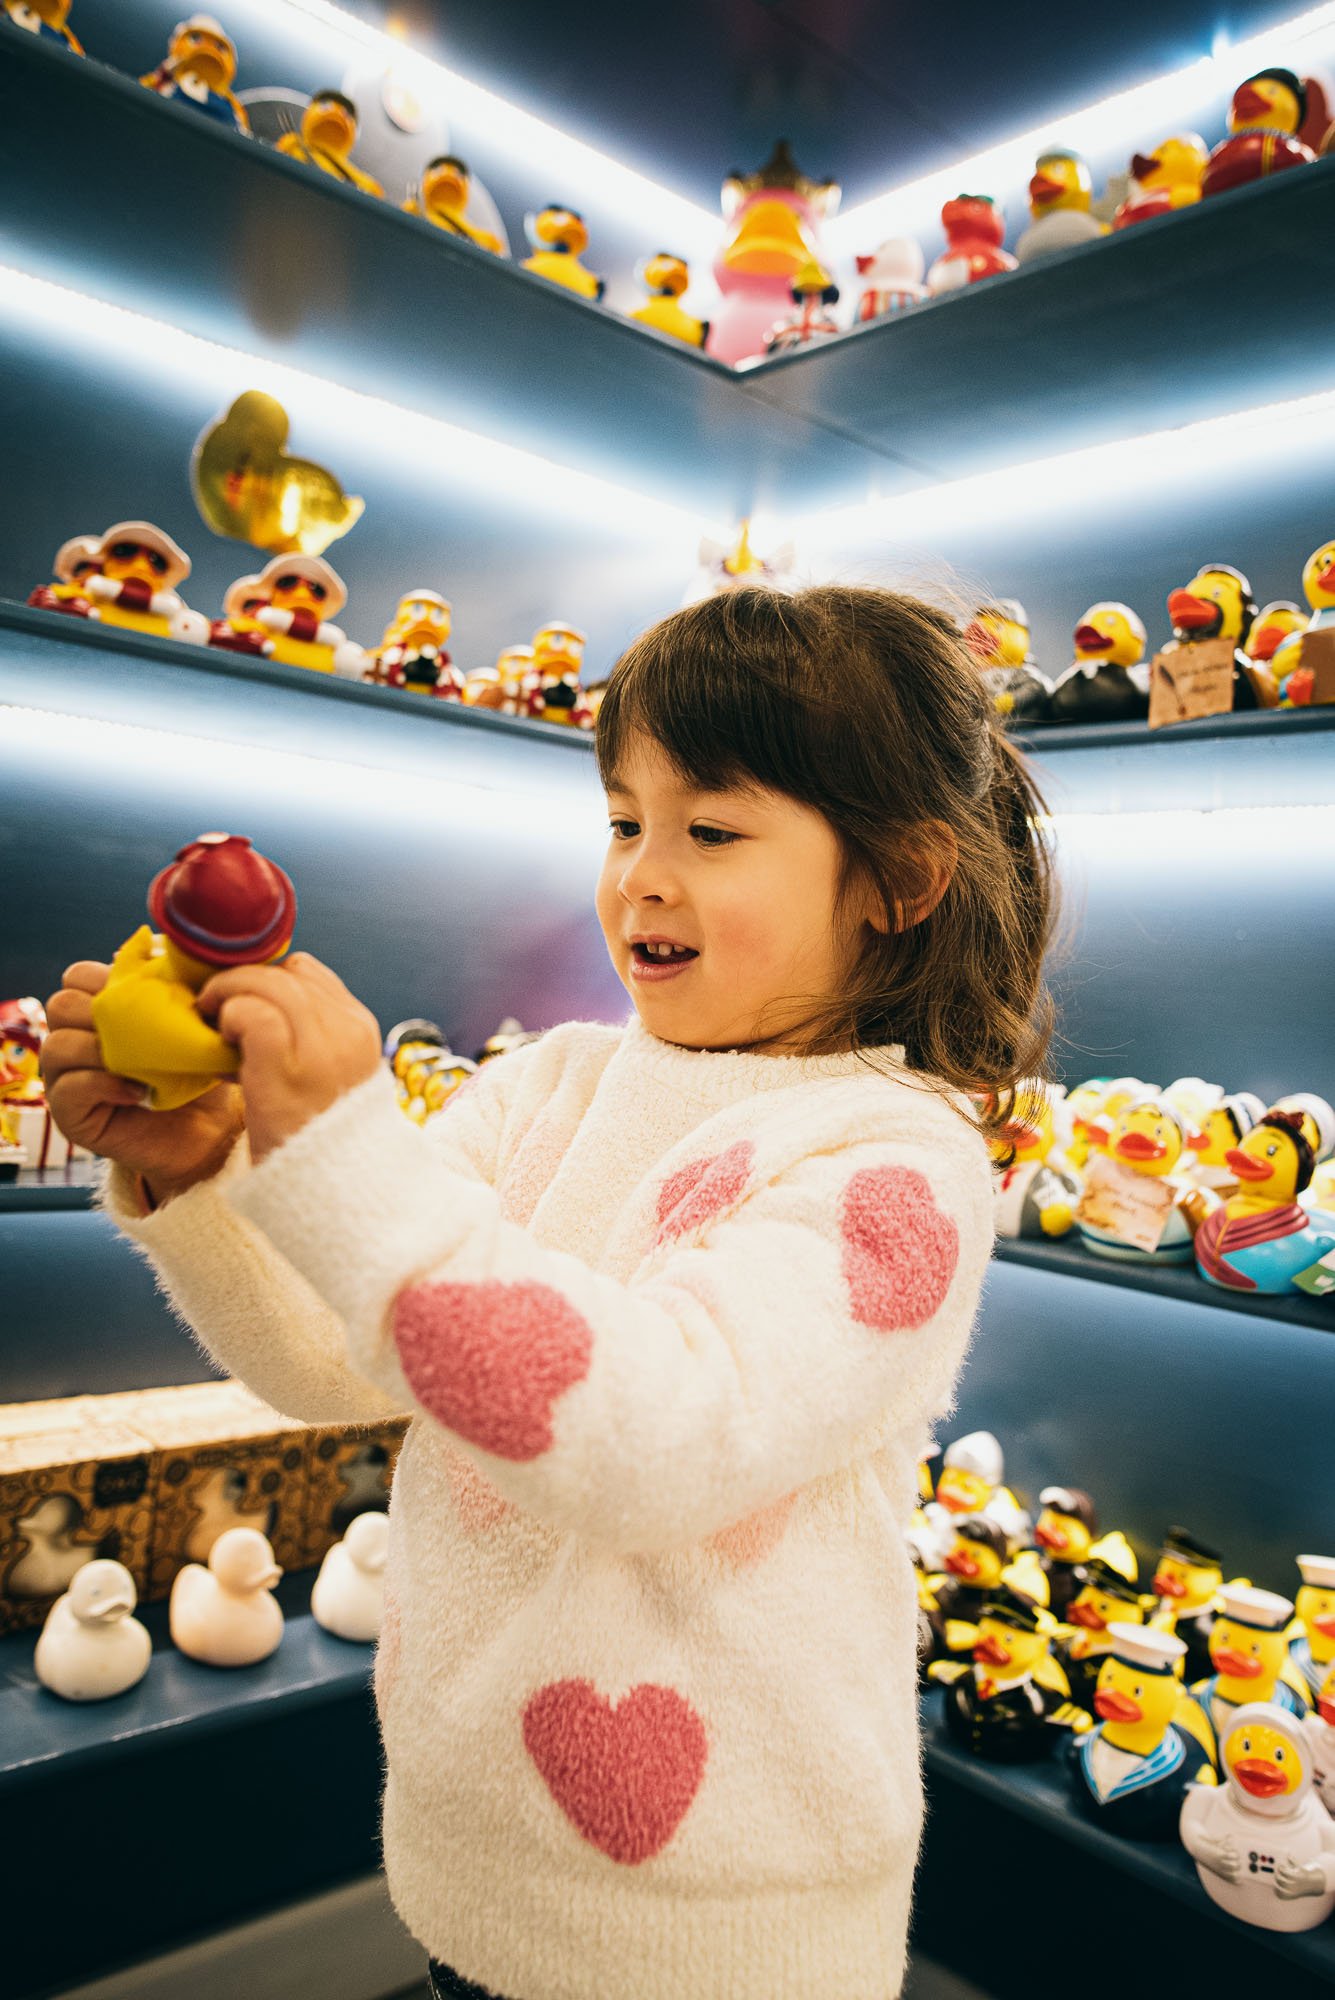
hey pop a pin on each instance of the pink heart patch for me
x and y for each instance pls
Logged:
(702, 1189)
(900, 1251)
(478, 1504)
(623, 1774)
(750, 1540)
(491, 1359)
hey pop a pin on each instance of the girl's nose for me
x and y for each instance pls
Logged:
(646, 878)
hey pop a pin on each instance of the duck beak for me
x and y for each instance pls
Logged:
(1245, 1167)
(1259, 1776)
(1114, 1706)
(1143, 165)
(1193, 614)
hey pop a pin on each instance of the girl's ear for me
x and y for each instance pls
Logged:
(937, 858)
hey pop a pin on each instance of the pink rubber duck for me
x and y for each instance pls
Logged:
(774, 218)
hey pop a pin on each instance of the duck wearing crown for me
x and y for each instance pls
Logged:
(219, 903)
(1218, 604)
(1165, 180)
(1140, 1204)
(1263, 1843)
(1108, 680)
(998, 637)
(975, 227)
(1035, 1191)
(1264, 119)
(773, 221)
(1013, 1704)
(1130, 1773)
(1249, 1655)
(1061, 194)
(1262, 1239)
(1107, 1594)
(1312, 1649)
(199, 69)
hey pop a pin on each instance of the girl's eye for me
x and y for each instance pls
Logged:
(713, 836)
(624, 829)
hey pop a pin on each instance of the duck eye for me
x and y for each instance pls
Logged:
(1246, 1746)
(287, 583)
(1279, 1755)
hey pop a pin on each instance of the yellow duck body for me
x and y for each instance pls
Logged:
(666, 315)
(562, 267)
(148, 1027)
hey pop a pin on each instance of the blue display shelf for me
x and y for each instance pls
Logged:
(38, 1191)
(1164, 1281)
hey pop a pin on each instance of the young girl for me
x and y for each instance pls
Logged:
(671, 1304)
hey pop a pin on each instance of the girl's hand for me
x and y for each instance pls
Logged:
(170, 1149)
(303, 1040)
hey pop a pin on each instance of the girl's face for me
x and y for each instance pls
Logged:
(743, 884)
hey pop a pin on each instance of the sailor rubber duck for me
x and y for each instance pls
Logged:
(349, 1594)
(1250, 1657)
(1130, 1773)
(501, 687)
(973, 1567)
(1107, 1596)
(998, 637)
(1035, 1193)
(325, 139)
(1064, 1531)
(304, 593)
(1187, 1580)
(975, 231)
(226, 1614)
(134, 584)
(199, 70)
(47, 19)
(892, 279)
(1013, 1703)
(1263, 1843)
(1313, 1650)
(412, 653)
(1060, 197)
(666, 278)
(1319, 1728)
(1264, 119)
(1140, 1204)
(1108, 680)
(971, 1482)
(76, 560)
(239, 629)
(442, 198)
(1261, 1239)
(1220, 1130)
(559, 240)
(1167, 179)
(1218, 604)
(91, 1646)
(218, 904)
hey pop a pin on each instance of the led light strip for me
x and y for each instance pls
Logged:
(1145, 113)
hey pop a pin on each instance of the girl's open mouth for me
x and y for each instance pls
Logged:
(656, 961)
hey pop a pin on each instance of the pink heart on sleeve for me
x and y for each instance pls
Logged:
(625, 1773)
(491, 1359)
(900, 1251)
(702, 1189)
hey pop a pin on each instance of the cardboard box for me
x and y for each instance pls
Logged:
(348, 1472)
(65, 1497)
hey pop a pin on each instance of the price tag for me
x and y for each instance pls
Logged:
(1191, 680)
(1132, 1207)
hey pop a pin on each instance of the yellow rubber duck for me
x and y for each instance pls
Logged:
(134, 583)
(249, 487)
(76, 560)
(47, 19)
(199, 70)
(1287, 656)
(1263, 1239)
(1268, 111)
(1249, 1652)
(1036, 1189)
(1218, 604)
(1061, 193)
(1276, 623)
(1107, 1593)
(1219, 1131)
(302, 592)
(553, 693)
(1005, 1706)
(239, 629)
(1313, 1646)
(1132, 1771)
(326, 137)
(559, 240)
(1168, 178)
(501, 687)
(1106, 681)
(666, 277)
(412, 652)
(1147, 1143)
(442, 199)
(219, 903)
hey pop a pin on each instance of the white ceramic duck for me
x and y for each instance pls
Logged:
(91, 1646)
(1263, 1844)
(349, 1594)
(53, 1558)
(224, 1615)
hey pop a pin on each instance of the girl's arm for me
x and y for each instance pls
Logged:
(783, 1309)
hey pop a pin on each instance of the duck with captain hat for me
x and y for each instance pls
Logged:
(1014, 1701)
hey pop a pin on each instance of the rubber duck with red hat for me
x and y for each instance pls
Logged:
(1013, 1704)
(774, 218)
(1263, 1843)
(303, 594)
(199, 70)
(1130, 1773)
(975, 227)
(47, 19)
(1264, 120)
(132, 583)
(1107, 681)
(1262, 1239)
(1218, 604)
(219, 903)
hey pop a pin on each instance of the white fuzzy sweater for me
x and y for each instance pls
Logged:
(672, 1326)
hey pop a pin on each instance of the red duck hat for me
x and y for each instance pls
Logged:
(223, 903)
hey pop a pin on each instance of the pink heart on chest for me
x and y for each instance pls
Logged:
(625, 1773)
(702, 1189)
(900, 1251)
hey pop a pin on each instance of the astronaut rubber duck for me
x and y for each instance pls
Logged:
(1263, 1843)
(666, 278)
(1262, 1239)
(442, 198)
(998, 637)
(76, 560)
(1167, 179)
(134, 584)
(973, 1568)
(303, 593)
(325, 139)
(1013, 1703)
(218, 904)
(559, 240)
(1064, 1531)
(1218, 604)
(551, 691)
(348, 1598)
(425, 1069)
(1061, 194)
(1036, 1193)
(239, 629)
(1313, 1650)
(813, 293)
(1249, 1654)
(91, 1646)
(199, 70)
(1130, 1773)
(226, 1614)
(1107, 1596)
(1220, 1131)
(412, 653)
(892, 279)
(1140, 1203)
(1264, 119)
(1108, 681)
(1187, 1581)
(47, 19)
(1319, 1728)
(975, 231)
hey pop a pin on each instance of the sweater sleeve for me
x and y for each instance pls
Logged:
(777, 1318)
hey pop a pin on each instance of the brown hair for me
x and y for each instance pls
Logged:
(866, 705)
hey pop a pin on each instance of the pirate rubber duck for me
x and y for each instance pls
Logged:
(1139, 1203)
(1107, 1596)
(666, 278)
(239, 629)
(1263, 1843)
(1108, 681)
(1064, 1531)
(975, 231)
(412, 653)
(199, 70)
(813, 293)
(1167, 179)
(559, 240)
(76, 560)
(1263, 123)
(998, 637)
(1313, 1650)
(1187, 1581)
(892, 279)
(47, 19)
(325, 139)
(1218, 604)
(1319, 1729)
(1250, 1657)
(442, 198)
(1262, 1239)
(971, 1482)
(552, 691)
(973, 1567)
(1013, 1703)
(134, 584)
(219, 903)
(1036, 1192)
(303, 592)
(1130, 1773)
(425, 1069)
(1219, 1132)
(1060, 196)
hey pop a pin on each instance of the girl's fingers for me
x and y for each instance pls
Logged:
(77, 1092)
(304, 966)
(70, 1048)
(72, 1007)
(267, 982)
(88, 974)
(254, 1025)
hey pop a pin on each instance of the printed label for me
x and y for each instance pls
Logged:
(1191, 680)
(1132, 1207)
